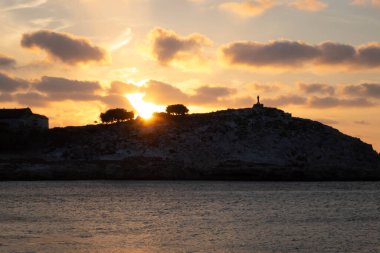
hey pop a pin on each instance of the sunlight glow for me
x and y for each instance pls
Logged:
(140, 83)
(144, 109)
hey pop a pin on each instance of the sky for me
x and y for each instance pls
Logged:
(73, 59)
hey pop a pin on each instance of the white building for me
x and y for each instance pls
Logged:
(22, 119)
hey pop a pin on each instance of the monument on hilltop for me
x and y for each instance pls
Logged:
(258, 104)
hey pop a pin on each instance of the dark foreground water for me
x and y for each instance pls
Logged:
(132, 217)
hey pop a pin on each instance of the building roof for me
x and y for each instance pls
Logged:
(16, 113)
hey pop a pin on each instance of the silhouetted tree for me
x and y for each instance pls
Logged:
(177, 109)
(116, 115)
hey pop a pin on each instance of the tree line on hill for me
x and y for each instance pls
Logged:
(120, 115)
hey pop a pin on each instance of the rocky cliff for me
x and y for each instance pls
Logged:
(241, 144)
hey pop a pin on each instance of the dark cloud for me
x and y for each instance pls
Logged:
(328, 102)
(317, 102)
(168, 46)
(9, 84)
(293, 54)
(316, 88)
(285, 100)
(335, 53)
(67, 48)
(30, 99)
(58, 88)
(6, 97)
(366, 89)
(369, 55)
(6, 62)
(55, 89)
(277, 53)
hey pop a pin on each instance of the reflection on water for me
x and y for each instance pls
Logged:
(127, 216)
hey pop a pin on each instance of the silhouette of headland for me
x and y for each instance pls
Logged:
(258, 143)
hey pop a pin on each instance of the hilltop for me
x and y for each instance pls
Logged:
(235, 144)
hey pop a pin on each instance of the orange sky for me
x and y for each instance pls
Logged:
(71, 60)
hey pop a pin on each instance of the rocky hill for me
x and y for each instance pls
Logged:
(239, 144)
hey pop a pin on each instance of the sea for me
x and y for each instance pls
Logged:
(189, 216)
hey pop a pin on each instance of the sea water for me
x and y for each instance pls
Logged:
(189, 216)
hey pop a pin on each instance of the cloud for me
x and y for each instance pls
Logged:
(116, 101)
(58, 89)
(6, 97)
(285, 100)
(210, 95)
(206, 95)
(316, 88)
(328, 102)
(335, 53)
(69, 49)
(284, 54)
(168, 47)
(248, 8)
(309, 5)
(317, 102)
(371, 90)
(253, 8)
(163, 93)
(9, 84)
(369, 55)
(264, 87)
(6, 62)
(32, 99)
(276, 53)
(121, 88)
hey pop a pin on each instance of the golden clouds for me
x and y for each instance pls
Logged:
(169, 48)
(252, 8)
(248, 8)
(309, 5)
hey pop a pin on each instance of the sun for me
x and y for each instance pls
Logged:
(144, 109)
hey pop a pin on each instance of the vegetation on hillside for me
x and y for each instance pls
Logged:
(177, 109)
(116, 115)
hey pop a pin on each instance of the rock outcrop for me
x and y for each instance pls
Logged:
(241, 144)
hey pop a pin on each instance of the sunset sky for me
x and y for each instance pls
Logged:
(72, 59)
